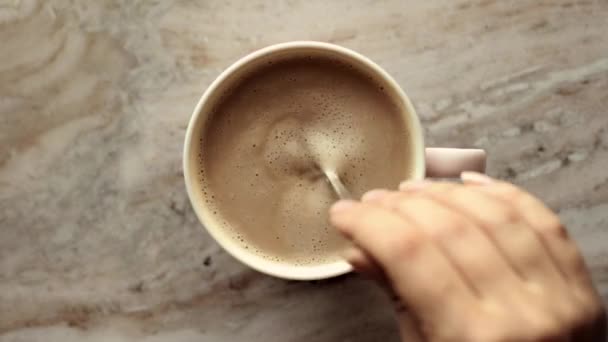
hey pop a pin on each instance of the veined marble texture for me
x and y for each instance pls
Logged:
(98, 241)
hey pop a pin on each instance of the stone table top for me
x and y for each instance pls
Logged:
(98, 241)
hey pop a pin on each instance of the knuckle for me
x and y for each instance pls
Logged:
(444, 217)
(448, 227)
(527, 250)
(577, 263)
(552, 226)
(405, 245)
(495, 213)
(530, 258)
(571, 261)
(507, 215)
(446, 224)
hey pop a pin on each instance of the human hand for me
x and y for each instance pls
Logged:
(482, 261)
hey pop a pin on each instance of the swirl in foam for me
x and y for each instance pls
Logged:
(268, 140)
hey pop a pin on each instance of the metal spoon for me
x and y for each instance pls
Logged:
(337, 184)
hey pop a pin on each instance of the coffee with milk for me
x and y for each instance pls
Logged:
(269, 138)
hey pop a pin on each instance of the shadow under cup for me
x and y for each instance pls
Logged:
(226, 81)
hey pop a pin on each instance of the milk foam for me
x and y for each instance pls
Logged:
(269, 139)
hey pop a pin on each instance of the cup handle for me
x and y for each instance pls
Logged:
(450, 162)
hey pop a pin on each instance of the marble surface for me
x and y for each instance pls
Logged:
(97, 238)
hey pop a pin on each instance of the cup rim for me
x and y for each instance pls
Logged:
(292, 272)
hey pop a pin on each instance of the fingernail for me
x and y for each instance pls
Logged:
(415, 185)
(341, 206)
(374, 195)
(471, 177)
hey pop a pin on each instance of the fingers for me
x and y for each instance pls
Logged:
(503, 224)
(541, 219)
(443, 246)
(419, 273)
(463, 243)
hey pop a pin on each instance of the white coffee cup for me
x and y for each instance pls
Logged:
(428, 162)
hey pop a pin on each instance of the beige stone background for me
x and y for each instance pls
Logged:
(97, 238)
